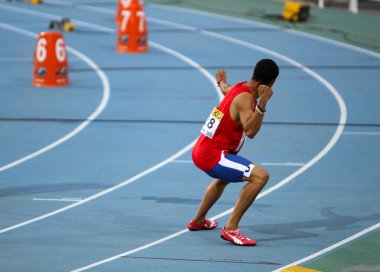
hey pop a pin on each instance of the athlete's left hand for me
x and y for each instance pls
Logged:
(221, 75)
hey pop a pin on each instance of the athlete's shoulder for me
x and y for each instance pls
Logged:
(243, 100)
(239, 88)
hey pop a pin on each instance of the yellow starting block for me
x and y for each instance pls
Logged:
(296, 12)
(35, 2)
(64, 25)
(299, 269)
(67, 25)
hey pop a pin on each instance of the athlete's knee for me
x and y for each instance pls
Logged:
(220, 183)
(259, 176)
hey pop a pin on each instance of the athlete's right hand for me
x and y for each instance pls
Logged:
(265, 93)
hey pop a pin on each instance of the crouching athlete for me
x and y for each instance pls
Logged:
(239, 114)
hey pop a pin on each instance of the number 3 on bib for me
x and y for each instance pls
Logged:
(213, 121)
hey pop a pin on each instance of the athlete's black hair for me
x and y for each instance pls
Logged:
(265, 71)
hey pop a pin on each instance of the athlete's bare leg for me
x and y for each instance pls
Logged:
(213, 192)
(248, 194)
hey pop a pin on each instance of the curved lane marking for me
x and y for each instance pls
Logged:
(331, 143)
(332, 247)
(93, 116)
(285, 30)
(138, 176)
(268, 26)
(314, 37)
(309, 164)
(320, 155)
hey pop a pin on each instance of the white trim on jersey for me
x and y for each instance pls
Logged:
(243, 136)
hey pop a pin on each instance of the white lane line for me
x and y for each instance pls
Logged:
(184, 231)
(142, 174)
(102, 193)
(322, 39)
(320, 155)
(182, 161)
(83, 125)
(82, 6)
(169, 237)
(49, 16)
(334, 42)
(65, 199)
(308, 35)
(272, 27)
(330, 248)
(192, 63)
(225, 17)
(335, 93)
(289, 178)
(297, 164)
(362, 133)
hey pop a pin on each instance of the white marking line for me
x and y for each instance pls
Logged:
(362, 133)
(320, 155)
(330, 248)
(309, 164)
(311, 36)
(50, 16)
(104, 192)
(65, 199)
(298, 164)
(169, 237)
(182, 161)
(268, 26)
(225, 17)
(184, 231)
(81, 6)
(93, 116)
(140, 175)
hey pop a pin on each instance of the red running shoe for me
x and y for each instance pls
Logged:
(206, 225)
(237, 237)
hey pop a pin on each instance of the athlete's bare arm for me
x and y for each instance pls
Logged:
(249, 118)
(221, 78)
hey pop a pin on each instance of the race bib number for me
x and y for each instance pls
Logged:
(213, 121)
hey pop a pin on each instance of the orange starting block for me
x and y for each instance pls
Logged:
(50, 61)
(132, 34)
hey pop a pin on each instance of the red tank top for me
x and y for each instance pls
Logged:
(228, 135)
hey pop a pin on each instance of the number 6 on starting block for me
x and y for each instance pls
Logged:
(50, 61)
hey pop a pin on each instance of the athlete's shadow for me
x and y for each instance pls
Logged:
(304, 229)
(178, 200)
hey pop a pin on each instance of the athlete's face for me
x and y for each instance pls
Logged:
(271, 83)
